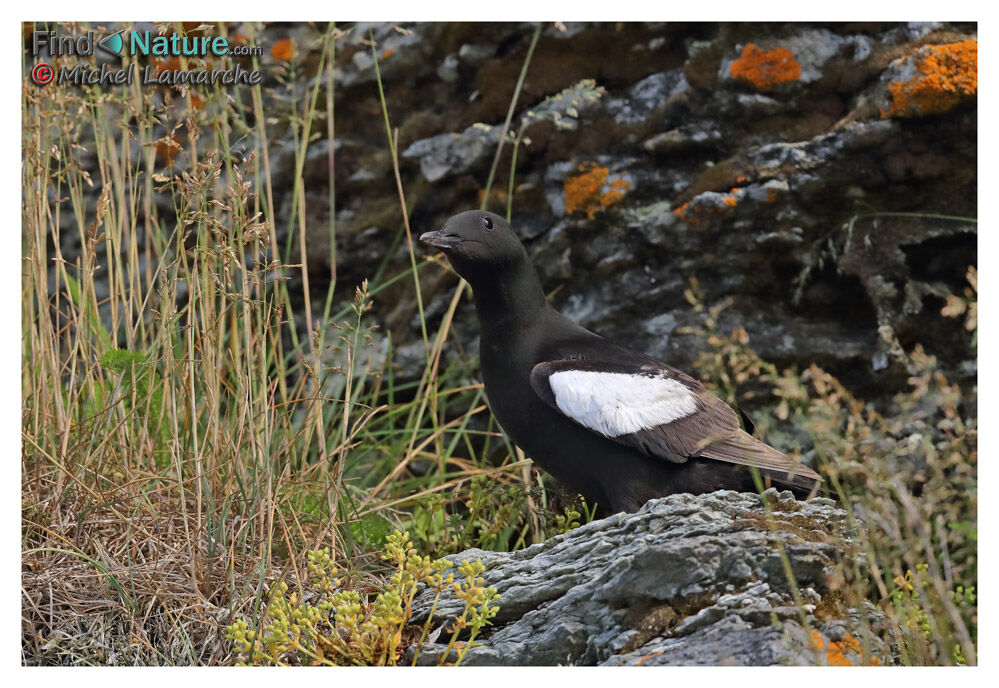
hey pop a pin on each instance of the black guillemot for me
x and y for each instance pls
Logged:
(615, 424)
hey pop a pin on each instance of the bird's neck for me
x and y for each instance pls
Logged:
(510, 299)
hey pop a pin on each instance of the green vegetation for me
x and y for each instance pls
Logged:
(907, 474)
(325, 624)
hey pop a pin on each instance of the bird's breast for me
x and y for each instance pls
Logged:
(506, 374)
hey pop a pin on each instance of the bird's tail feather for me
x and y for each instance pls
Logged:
(744, 449)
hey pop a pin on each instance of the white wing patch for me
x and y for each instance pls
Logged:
(616, 404)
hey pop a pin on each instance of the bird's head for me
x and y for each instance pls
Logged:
(479, 244)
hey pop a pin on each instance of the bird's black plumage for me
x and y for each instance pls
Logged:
(615, 424)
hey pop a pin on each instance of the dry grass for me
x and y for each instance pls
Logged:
(907, 476)
(101, 589)
(193, 421)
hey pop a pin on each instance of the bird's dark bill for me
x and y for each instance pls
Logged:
(440, 240)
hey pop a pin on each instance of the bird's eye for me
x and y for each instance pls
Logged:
(487, 222)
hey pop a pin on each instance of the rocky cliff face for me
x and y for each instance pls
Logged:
(686, 580)
(823, 177)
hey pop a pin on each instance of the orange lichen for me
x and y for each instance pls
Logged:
(836, 650)
(732, 199)
(696, 216)
(648, 656)
(765, 69)
(587, 191)
(282, 50)
(166, 148)
(700, 214)
(166, 64)
(386, 54)
(945, 75)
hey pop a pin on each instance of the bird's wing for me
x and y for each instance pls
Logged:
(658, 410)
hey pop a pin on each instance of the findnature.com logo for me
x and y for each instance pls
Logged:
(143, 49)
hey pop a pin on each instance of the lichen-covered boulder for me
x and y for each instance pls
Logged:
(707, 580)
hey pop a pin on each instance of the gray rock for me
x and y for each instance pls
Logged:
(646, 96)
(812, 49)
(474, 54)
(448, 71)
(687, 137)
(448, 154)
(911, 31)
(391, 39)
(686, 580)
